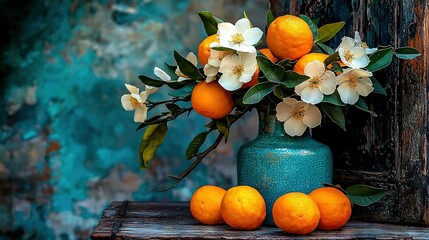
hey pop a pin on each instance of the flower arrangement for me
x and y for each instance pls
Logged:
(298, 76)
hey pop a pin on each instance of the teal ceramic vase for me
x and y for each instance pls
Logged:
(275, 163)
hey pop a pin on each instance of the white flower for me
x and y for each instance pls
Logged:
(191, 58)
(359, 43)
(135, 101)
(212, 67)
(351, 55)
(239, 37)
(161, 75)
(297, 116)
(320, 82)
(352, 83)
(236, 70)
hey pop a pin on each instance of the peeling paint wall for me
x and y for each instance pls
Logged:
(67, 148)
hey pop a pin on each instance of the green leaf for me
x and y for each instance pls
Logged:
(328, 31)
(245, 16)
(326, 48)
(150, 81)
(293, 78)
(152, 138)
(407, 53)
(380, 59)
(285, 64)
(224, 49)
(187, 68)
(256, 93)
(278, 92)
(378, 88)
(360, 104)
(270, 17)
(364, 195)
(316, 49)
(183, 92)
(274, 73)
(311, 24)
(334, 99)
(210, 22)
(195, 144)
(173, 107)
(332, 58)
(171, 71)
(316, 20)
(223, 127)
(336, 67)
(334, 113)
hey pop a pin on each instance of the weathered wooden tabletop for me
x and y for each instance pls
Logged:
(173, 220)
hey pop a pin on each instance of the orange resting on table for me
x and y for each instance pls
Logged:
(205, 204)
(296, 213)
(335, 207)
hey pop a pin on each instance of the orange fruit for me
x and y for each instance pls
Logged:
(254, 79)
(204, 48)
(243, 208)
(289, 37)
(205, 204)
(267, 53)
(335, 208)
(211, 100)
(302, 62)
(296, 213)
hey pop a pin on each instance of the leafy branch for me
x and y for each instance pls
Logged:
(202, 155)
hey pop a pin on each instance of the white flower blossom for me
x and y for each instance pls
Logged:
(297, 116)
(321, 82)
(211, 69)
(359, 43)
(352, 55)
(191, 58)
(352, 83)
(240, 37)
(236, 70)
(161, 75)
(135, 101)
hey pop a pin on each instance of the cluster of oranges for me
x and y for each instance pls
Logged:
(288, 37)
(244, 208)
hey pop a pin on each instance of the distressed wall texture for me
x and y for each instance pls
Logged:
(67, 148)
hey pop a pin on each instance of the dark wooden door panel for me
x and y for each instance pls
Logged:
(389, 150)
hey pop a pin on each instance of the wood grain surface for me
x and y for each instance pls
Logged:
(389, 150)
(173, 220)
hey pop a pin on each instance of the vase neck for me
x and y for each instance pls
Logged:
(268, 124)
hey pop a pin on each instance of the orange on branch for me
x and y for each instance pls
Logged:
(267, 53)
(211, 100)
(289, 37)
(302, 62)
(204, 48)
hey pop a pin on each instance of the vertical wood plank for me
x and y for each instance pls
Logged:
(390, 150)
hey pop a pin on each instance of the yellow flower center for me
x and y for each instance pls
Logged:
(352, 82)
(314, 82)
(298, 113)
(364, 45)
(238, 70)
(237, 38)
(134, 102)
(348, 56)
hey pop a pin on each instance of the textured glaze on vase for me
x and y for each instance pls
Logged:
(275, 163)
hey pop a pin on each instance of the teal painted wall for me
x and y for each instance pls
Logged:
(67, 148)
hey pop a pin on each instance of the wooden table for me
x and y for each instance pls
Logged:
(173, 220)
